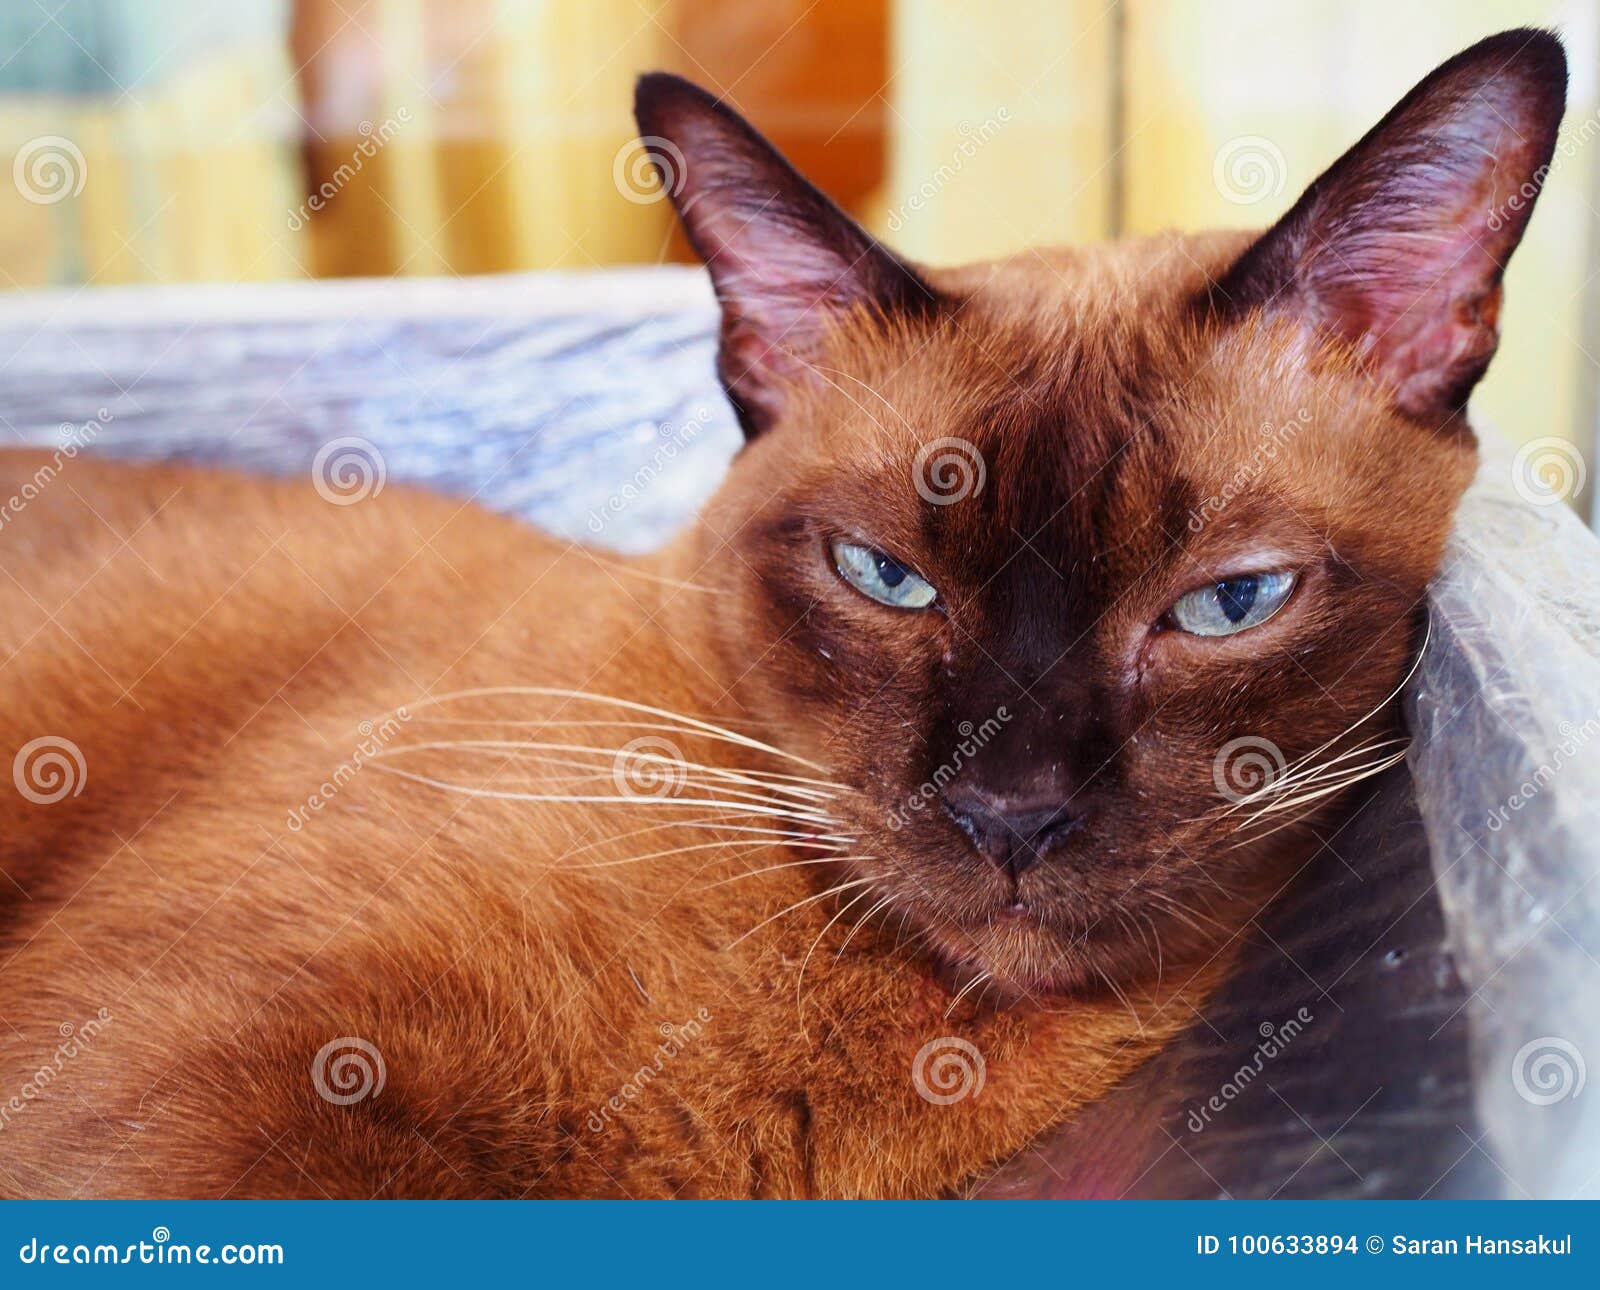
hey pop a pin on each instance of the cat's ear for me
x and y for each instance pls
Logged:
(1400, 246)
(785, 260)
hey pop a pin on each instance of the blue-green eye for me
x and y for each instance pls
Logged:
(881, 577)
(1233, 604)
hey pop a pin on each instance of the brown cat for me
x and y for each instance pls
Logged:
(884, 818)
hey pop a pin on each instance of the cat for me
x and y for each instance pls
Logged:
(899, 807)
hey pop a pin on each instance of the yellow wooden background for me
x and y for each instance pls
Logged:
(957, 129)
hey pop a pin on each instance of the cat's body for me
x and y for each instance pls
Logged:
(512, 994)
(404, 851)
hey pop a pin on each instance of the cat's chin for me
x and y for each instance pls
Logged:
(1021, 957)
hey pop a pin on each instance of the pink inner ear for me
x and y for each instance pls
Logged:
(1412, 275)
(1426, 317)
(1400, 246)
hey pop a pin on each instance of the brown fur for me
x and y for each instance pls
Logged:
(213, 645)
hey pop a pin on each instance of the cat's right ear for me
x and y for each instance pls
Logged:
(1400, 246)
(786, 262)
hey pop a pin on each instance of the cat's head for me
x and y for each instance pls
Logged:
(1087, 570)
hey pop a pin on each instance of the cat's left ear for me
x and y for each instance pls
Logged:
(1400, 246)
(785, 260)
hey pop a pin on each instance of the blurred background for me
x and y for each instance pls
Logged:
(175, 141)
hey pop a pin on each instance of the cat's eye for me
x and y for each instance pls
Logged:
(881, 577)
(1232, 604)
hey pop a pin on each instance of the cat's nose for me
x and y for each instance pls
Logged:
(1011, 831)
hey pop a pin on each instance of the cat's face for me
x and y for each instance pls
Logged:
(1088, 573)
